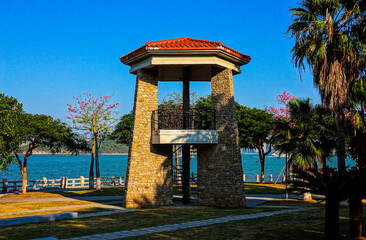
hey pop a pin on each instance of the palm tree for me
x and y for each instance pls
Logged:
(311, 134)
(312, 140)
(326, 40)
(357, 148)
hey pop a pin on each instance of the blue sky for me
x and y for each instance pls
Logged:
(53, 50)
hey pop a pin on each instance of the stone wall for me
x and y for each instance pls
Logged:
(219, 167)
(149, 168)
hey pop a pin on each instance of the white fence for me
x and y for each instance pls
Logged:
(61, 183)
(82, 182)
(177, 178)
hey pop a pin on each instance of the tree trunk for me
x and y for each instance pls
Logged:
(91, 171)
(355, 214)
(97, 172)
(261, 160)
(24, 180)
(331, 218)
(23, 171)
(341, 152)
(262, 169)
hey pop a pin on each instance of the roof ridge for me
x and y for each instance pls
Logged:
(183, 38)
(182, 44)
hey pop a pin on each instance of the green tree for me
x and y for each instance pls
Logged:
(122, 130)
(254, 128)
(311, 131)
(34, 131)
(96, 116)
(10, 114)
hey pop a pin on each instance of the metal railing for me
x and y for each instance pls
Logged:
(178, 118)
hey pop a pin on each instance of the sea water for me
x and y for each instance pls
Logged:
(55, 166)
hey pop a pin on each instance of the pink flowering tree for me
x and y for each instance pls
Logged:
(281, 122)
(302, 131)
(95, 115)
(283, 112)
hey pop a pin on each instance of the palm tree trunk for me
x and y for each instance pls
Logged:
(331, 218)
(97, 172)
(355, 214)
(341, 152)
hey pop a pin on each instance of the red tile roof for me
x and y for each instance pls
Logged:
(184, 44)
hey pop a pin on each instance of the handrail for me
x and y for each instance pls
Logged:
(178, 118)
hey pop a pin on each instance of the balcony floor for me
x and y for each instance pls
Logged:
(163, 136)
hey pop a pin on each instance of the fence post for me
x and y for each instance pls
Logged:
(257, 178)
(270, 178)
(53, 183)
(120, 181)
(5, 186)
(44, 182)
(82, 181)
(63, 182)
(113, 180)
(283, 178)
(243, 177)
(35, 185)
(66, 180)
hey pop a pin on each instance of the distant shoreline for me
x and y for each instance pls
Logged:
(47, 153)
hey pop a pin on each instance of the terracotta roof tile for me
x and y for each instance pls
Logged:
(184, 44)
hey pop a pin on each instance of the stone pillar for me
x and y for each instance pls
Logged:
(219, 167)
(149, 168)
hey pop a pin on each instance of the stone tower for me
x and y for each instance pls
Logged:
(150, 164)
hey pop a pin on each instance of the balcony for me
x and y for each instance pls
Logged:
(178, 126)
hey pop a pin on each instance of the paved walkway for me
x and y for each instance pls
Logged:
(58, 199)
(106, 205)
(179, 226)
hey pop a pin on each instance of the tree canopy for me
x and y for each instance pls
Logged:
(10, 115)
(254, 126)
(122, 130)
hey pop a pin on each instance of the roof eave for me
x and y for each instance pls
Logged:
(219, 52)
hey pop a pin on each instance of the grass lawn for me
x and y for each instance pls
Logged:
(307, 224)
(115, 191)
(297, 226)
(19, 207)
(117, 222)
(265, 188)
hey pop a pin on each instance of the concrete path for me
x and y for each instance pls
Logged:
(179, 226)
(106, 205)
(58, 199)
